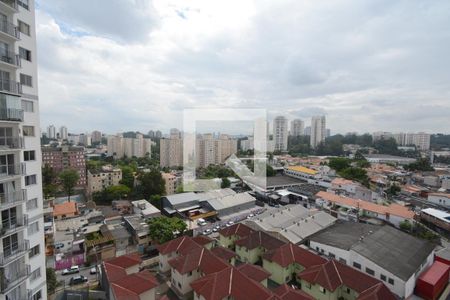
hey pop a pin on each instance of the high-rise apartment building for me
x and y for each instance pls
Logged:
(297, 127)
(66, 157)
(280, 133)
(51, 132)
(63, 135)
(421, 139)
(158, 134)
(119, 147)
(175, 133)
(22, 249)
(212, 151)
(96, 136)
(308, 130)
(171, 152)
(318, 130)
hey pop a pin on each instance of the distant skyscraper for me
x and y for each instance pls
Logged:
(175, 133)
(308, 131)
(151, 134)
(158, 134)
(328, 134)
(119, 147)
(318, 130)
(297, 127)
(51, 132)
(171, 152)
(63, 133)
(280, 133)
(96, 136)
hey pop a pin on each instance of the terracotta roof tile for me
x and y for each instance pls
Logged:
(182, 244)
(199, 258)
(133, 285)
(239, 229)
(290, 253)
(66, 208)
(285, 292)
(254, 272)
(259, 238)
(224, 253)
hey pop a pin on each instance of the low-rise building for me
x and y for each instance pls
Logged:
(388, 159)
(138, 228)
(171, 182)
(145, 209)
(300, 172)
(251, 248)
(65, 210)
(440, 198)
(229, 235)
(98, 180)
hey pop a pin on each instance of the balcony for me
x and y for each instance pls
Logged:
(18, 250)
(11, 171)
(10, 30)
(7, 283)
(10, 87)
(10, 226)
(11, 114)
(12, 198)
(11, 143)
(9, 57)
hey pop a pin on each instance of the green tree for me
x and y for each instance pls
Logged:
(69, 178)
(405, 225)
(163, 229)
(270, 171)
(151, 183)
(155, 200)
(393, 190)
(339, 163)
(118, 191)
(356, 174)
(225, 183)
(386, 146)
(52, 282)
(422, 164)
(127, 176)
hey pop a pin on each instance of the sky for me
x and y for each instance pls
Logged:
(134, 65)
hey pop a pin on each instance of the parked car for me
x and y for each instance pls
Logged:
(229, 223)
(71, 270)
(93, 270)
(207, 232)
(78, 279)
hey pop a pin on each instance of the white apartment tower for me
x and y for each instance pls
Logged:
(318, 130)
(280, 133)
(297, 127)
(51, 132)
(63, 133)
(22, 249)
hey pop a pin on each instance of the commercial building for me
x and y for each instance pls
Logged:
(22, 255)
(171, 152)
(297, 127)
(382, 252)
(66, 157)
(119, 146)
(98, 180)
(388, 159)
(280, 133)
(318, 130)
(440, 198)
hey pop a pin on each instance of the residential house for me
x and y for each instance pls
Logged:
(229, 235)
(65, 210)
(251, 248)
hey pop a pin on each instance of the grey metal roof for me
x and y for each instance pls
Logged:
(343, 235)
(182, 198)
(395, 251)
(230, 201)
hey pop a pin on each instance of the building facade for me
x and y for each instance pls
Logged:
(119, 146)
(318, 130)
(99, 180)
(297, 127)
(280, 133)
(22, 250)
(171, 152)
(66, 157)
(96, 136)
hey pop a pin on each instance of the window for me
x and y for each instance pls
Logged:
(29, 155)
(24, 54)
(28, 130)
(190, 273)
(23, 3)
(322, 290)
(27, 106)
(32, 204)
(391, 281)
(343, 261)
(30, 179)
(24, 28)
(37, 296)
(356, 265)
(348, 291)
(10, 244)
(331, 255)
(35, 274)
(33, 228)
(26, 80)
(34, 251)
(370, 271)
(383, 277)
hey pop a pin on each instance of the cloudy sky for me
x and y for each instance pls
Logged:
(118, 65)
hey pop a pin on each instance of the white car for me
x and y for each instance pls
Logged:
(71, 270)
(93, 270)
(207, 232)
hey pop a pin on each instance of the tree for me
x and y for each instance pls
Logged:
(225, 183)
(393, 190)
(164, 229)
(155, 200)
(422, 164)
(386, 146)
(339, 163)
(405, 225)
(270, 171)
(69, 178)
(127, 176)
(52, 282)
(356, 174)
(118, 191)
(151, 183)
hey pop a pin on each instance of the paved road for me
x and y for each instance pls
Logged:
(83, 271)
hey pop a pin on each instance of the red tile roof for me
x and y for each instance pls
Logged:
(285, 292)
(183, 245)
(113, 273)
(290, 253)
(333, 274)
(376, 292)
(202, 240)
(230, 282)
(133, 285)
(239, 229)
(125, 261)
(199, 258)
(224, 253)
(66, 208)
(259, 238)
(254, 272)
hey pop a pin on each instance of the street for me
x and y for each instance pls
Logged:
(83, 271)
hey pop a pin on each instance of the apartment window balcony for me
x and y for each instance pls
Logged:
(10, 86)
(14, 252)
(11, 170)
(12, 198)
(10, 226)
(11, 114)
(10, 5)
(11, 143)
(9, 57)
(8, 282)
(10, 29)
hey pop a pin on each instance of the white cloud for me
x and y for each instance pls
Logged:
(134, 65)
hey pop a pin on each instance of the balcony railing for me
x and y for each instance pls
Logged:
(13, 253)
(11, 114)
(11, 142)
(9, 57)
(10, 29)
(10, 86)
(11, 3)
(10, 170)
(11, 226)
(12, 197)
(14, 278)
